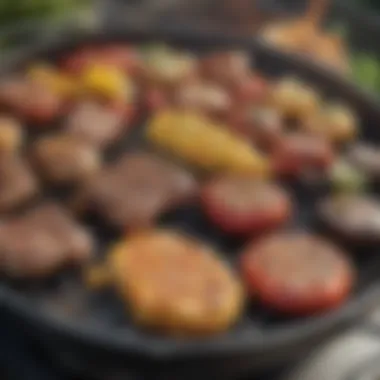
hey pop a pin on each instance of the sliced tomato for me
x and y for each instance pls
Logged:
(244, 206)
(297, 153)
(297, 274)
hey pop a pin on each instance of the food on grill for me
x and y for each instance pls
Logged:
(261, 125)
(63, 159)
(174, 284)
(235, 128)
(299, 153)
(335, 122)
(41, 241)
(11, 136)
(254, 90)
(18, 184)
(138, 188)
(207, 98)
(165, 66)
(297, 274)
(205, 144)
(96, 124)
(245, 206)
(294, 99)
(108, 83)
(352, 217)
(35, 101)
(227, 68)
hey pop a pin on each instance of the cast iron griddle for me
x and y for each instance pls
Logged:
(82, 328)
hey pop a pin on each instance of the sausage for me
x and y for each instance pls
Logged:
(64, 159)
(176, 285)
(297, 274)
(244, 206)
(136, 189)
(18, 184)
(354, 218)
(50, 239)
(298, 153)
(95, 124)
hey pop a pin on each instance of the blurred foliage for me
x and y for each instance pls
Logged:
(375, 4)
(13, 11)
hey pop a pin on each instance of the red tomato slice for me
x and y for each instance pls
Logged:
(296, 153)
(244, 206)
(297, 274)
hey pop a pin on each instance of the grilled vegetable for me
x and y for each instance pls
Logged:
(335, 122)
(297, 274)
(243, 206)
(294, 99)
(205, 144)
(166, 66)
(109, 82)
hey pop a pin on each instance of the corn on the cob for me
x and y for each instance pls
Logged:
(200, 142)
